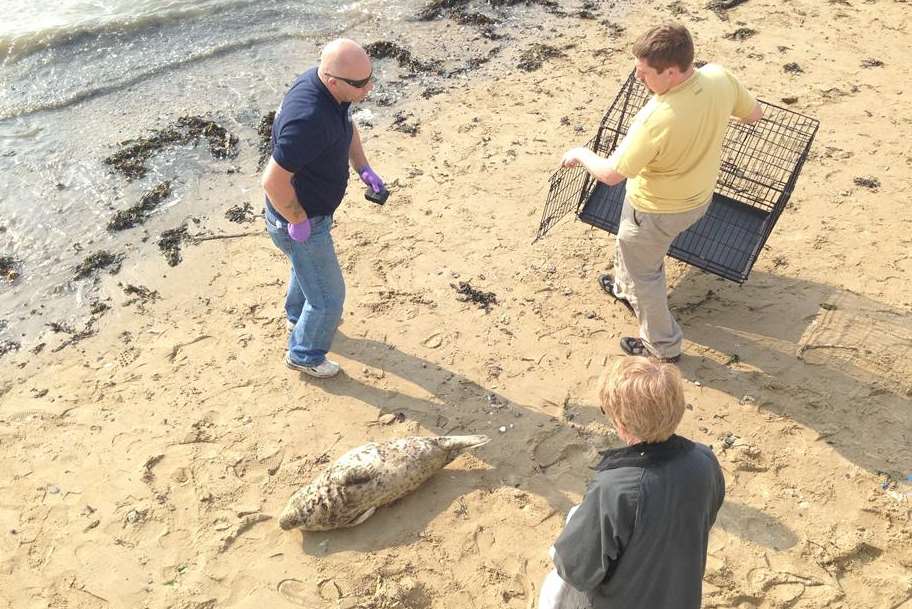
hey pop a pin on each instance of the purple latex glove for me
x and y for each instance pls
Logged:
(371, 179)
(300, 232)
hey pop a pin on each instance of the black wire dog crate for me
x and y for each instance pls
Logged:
(760, 165)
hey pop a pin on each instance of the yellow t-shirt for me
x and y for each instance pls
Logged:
(672, 152)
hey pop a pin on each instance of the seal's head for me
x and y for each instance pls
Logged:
(307, 509)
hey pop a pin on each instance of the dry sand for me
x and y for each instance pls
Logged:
(146, 466)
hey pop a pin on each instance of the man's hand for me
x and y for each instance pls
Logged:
(574, 157)
(300, 232)
(755, 115)
(370, 178)
(600, 168)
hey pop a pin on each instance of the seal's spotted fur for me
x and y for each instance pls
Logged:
(367, 477)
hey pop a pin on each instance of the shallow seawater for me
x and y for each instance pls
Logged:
(133, 69)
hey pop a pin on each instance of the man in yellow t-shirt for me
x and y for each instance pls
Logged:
(670, 159)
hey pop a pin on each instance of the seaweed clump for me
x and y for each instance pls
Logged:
(440, 8)
(264, 130)
(742, 33)
(96, 262)
(131, 160)
(384, 49)
(170, 244)
(870, 183)
(457, 10)
(406, 123)
(719, 7)
(532, 58)
(8, 346)
(128, 218)
(240, 214)
(74, 336)
(9, 268)
(141, 294)
(469, 294)
(476, 62)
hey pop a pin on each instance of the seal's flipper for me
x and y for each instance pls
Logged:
(353, 474)
(460, 443)
(363, 517)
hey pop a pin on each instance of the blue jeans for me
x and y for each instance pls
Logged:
(316, 290)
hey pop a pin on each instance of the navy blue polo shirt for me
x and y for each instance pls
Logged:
(311, 138)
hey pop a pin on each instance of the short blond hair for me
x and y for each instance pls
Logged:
(645, 397)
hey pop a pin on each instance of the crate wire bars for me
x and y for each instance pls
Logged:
(760, 165)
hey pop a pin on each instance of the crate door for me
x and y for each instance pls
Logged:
(570, 187)
(567, 188)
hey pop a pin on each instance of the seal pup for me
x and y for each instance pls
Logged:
(365, 478)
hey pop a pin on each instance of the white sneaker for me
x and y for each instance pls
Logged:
(324, 370)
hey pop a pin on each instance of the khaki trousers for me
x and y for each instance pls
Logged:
(643, 240)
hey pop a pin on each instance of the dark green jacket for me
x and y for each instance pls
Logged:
(639, 537)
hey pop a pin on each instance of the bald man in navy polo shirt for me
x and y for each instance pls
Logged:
(314, 142)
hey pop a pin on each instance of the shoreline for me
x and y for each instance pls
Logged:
(46, 294)
(148, 463)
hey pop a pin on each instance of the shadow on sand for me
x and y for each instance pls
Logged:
(830, 359)
(547, 456)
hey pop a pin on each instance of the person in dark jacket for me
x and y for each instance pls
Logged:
(639, 538)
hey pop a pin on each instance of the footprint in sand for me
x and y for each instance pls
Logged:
(309, 595)
(552, 447)
(299, 593)
(125, 358)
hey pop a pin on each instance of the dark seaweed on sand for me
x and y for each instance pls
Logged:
(142, 294)
(8, 346)
(479, 19)
(870, 183)
(406, 123)
(74, 336)
(742, 33)
(486, 24)
(458, 11)
(97, 261)
(476, 62)
(532, 58)
(469, 294)
(131, 160)
(170, 244)
(240, 213)
(9, 268)
(384, 49)
(128, 218)
(264, 130)
(719, 7)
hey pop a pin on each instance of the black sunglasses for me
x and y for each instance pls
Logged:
(358, 84)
